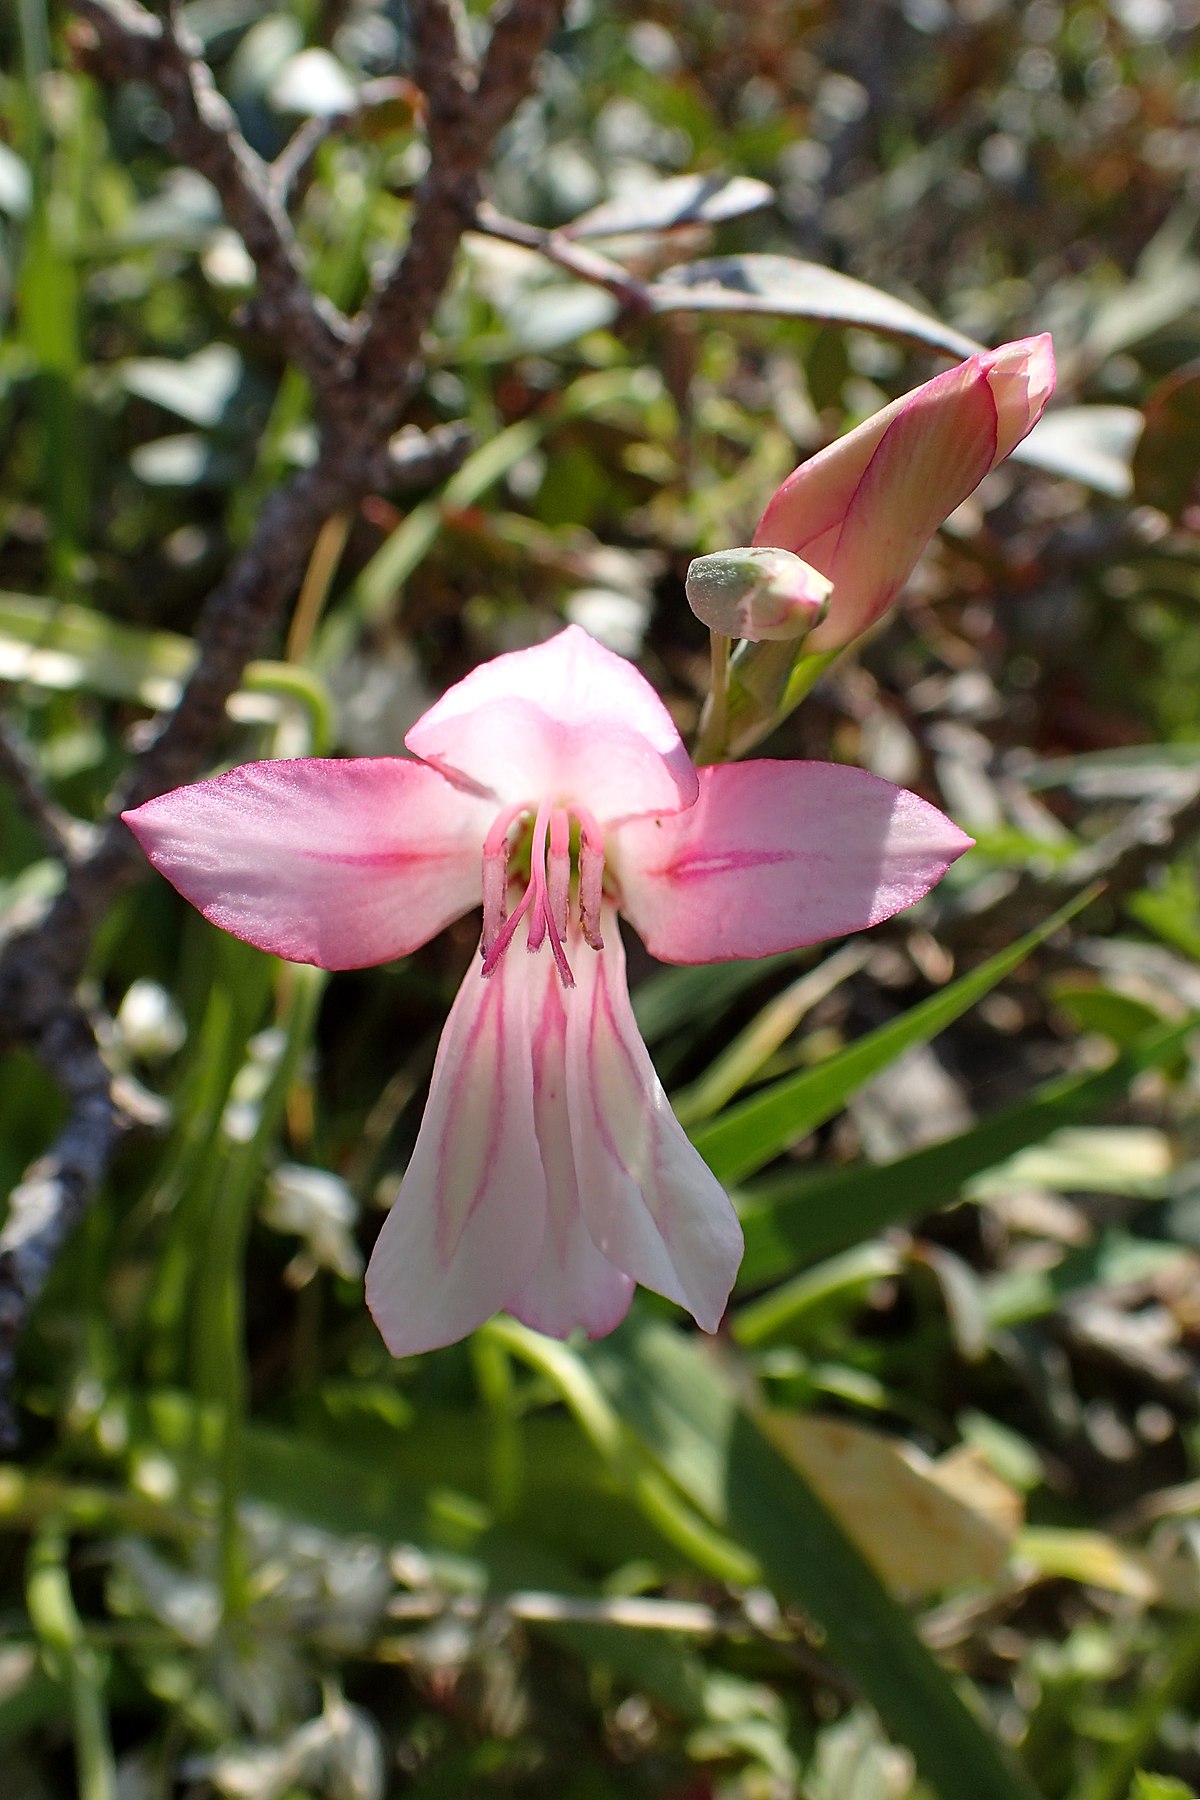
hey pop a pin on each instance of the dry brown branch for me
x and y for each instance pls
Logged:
(464, 113)
(574, 259)
(63, 836)
(47, 1205)
(122, 41)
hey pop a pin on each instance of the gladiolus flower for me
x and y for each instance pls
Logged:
(862, 510)
(549, 1174)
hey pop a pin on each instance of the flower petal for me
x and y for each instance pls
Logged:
(862, 509)
(650, 1203)
(573, 1283)
(338, 863)
(775, 855)
(466, 1229)
(565, 720)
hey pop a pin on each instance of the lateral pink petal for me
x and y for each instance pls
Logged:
(567, 718)
(573, 1284)
(775, 855)
(466, 1229)
(338, 863)
(650, 1203)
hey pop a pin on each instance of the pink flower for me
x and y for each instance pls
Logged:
(862, 510)
(549, 1174)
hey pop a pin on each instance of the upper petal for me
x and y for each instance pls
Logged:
(338, 863)
(467, 1227)
(775, 855)
(568, 721)
(651, 1204)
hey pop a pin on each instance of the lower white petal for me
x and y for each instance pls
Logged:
(650, 1203)
(573, 1283)
(467, 1227)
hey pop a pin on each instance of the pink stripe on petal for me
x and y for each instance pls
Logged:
(650, 1204)
(573, 1284)
(467, 1227)
(564, 720)
(338, 863)
(775, 855)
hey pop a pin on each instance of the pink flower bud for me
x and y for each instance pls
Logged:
(862, 510)
(757, 593)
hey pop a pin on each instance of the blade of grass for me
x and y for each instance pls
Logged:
(681, 1407)
(72, 1660)
(746, 1137)
(802, 1218)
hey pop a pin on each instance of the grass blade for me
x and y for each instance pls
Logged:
(802, 1218)
(746, 1137)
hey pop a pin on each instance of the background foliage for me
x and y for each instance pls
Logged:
(924, 1519)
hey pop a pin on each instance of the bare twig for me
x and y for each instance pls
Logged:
(575, 259)
(464, 113)
(62, 835)
(128, 43)
(45, 1208)
(416, 458)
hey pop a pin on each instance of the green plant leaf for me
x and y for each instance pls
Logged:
(679, 200)
(799, 290)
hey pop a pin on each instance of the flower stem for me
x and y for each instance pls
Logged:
(714, 721)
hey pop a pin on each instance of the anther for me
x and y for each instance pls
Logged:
(560, 869)
(591, 878)
(495, 877)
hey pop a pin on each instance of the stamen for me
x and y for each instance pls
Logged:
(591, 877)
(537, 878)
(492, 957)
(495, 876)
(543, 921)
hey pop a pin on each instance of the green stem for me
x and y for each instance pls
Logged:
(71, 1659)
(714, 722)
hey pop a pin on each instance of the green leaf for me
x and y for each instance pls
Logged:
(802, 1218)
(1159, 1787)
(748, 1136)
(64, 648)
(383, 578)
(669, 1392)
(799, 290)
(680, 200)
(198, 388)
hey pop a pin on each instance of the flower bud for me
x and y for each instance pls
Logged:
(862, 510)
(757, 593)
